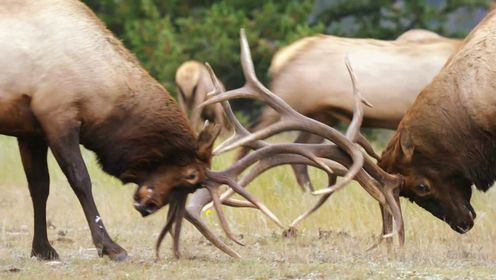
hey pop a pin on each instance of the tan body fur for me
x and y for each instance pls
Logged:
(69, 78)
(310, 75)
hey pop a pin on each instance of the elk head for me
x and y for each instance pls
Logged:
(173, 182)
(444, 192)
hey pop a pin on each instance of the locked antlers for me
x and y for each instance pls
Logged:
(342, 158)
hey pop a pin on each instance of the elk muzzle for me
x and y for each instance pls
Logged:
(465, 220)
(145, 201)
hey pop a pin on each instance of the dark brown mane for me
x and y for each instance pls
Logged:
(131, 144)
(469, 149)
(476, 156)
(475, 159)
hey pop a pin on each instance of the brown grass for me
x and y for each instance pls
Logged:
(331, 244)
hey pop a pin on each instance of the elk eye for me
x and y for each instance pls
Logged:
(191, 176)
(423, 188)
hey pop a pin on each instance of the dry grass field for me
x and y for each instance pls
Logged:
(331, 244)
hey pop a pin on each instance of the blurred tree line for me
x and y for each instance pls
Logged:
(165, 33)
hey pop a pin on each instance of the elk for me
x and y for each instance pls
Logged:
(66, 80)
(193, 83)
(419, 35)
(309, 75)
(446, 142)
(335, 159)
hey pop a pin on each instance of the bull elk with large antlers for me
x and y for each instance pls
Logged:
(447, 141)
(66, 80)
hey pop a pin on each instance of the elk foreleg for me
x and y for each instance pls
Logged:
(34, 160)
(63, 140)
(301, 170)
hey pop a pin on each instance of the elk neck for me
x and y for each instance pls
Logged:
(145, 128)
(451, 122)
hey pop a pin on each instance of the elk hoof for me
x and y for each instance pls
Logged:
(122, 256)
(290, 232)
(115, 253)
(46, 253)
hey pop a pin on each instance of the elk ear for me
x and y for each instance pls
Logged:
(206, 140)
(406, 142)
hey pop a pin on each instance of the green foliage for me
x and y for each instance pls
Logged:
(154, 42)
(386, 19)
(165, 33)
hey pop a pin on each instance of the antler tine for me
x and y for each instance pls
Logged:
(220, 214)
(221, 178)
(374, 177)
(367, 146)
(192, 214)
(224, 177)
(353, 130)
(368, 183)
(177, 226)
(168, 226)
(239, 130)
(270, 162)
(392, 197)
(391, 186)
(391, 183)
(237, 203)
(387, 228)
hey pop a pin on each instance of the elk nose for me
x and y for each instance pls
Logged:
(145, 209)
(464, 226)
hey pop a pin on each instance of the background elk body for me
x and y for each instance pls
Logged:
(310, 76)
(447, 141)
(64, 81)
(193, 83)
